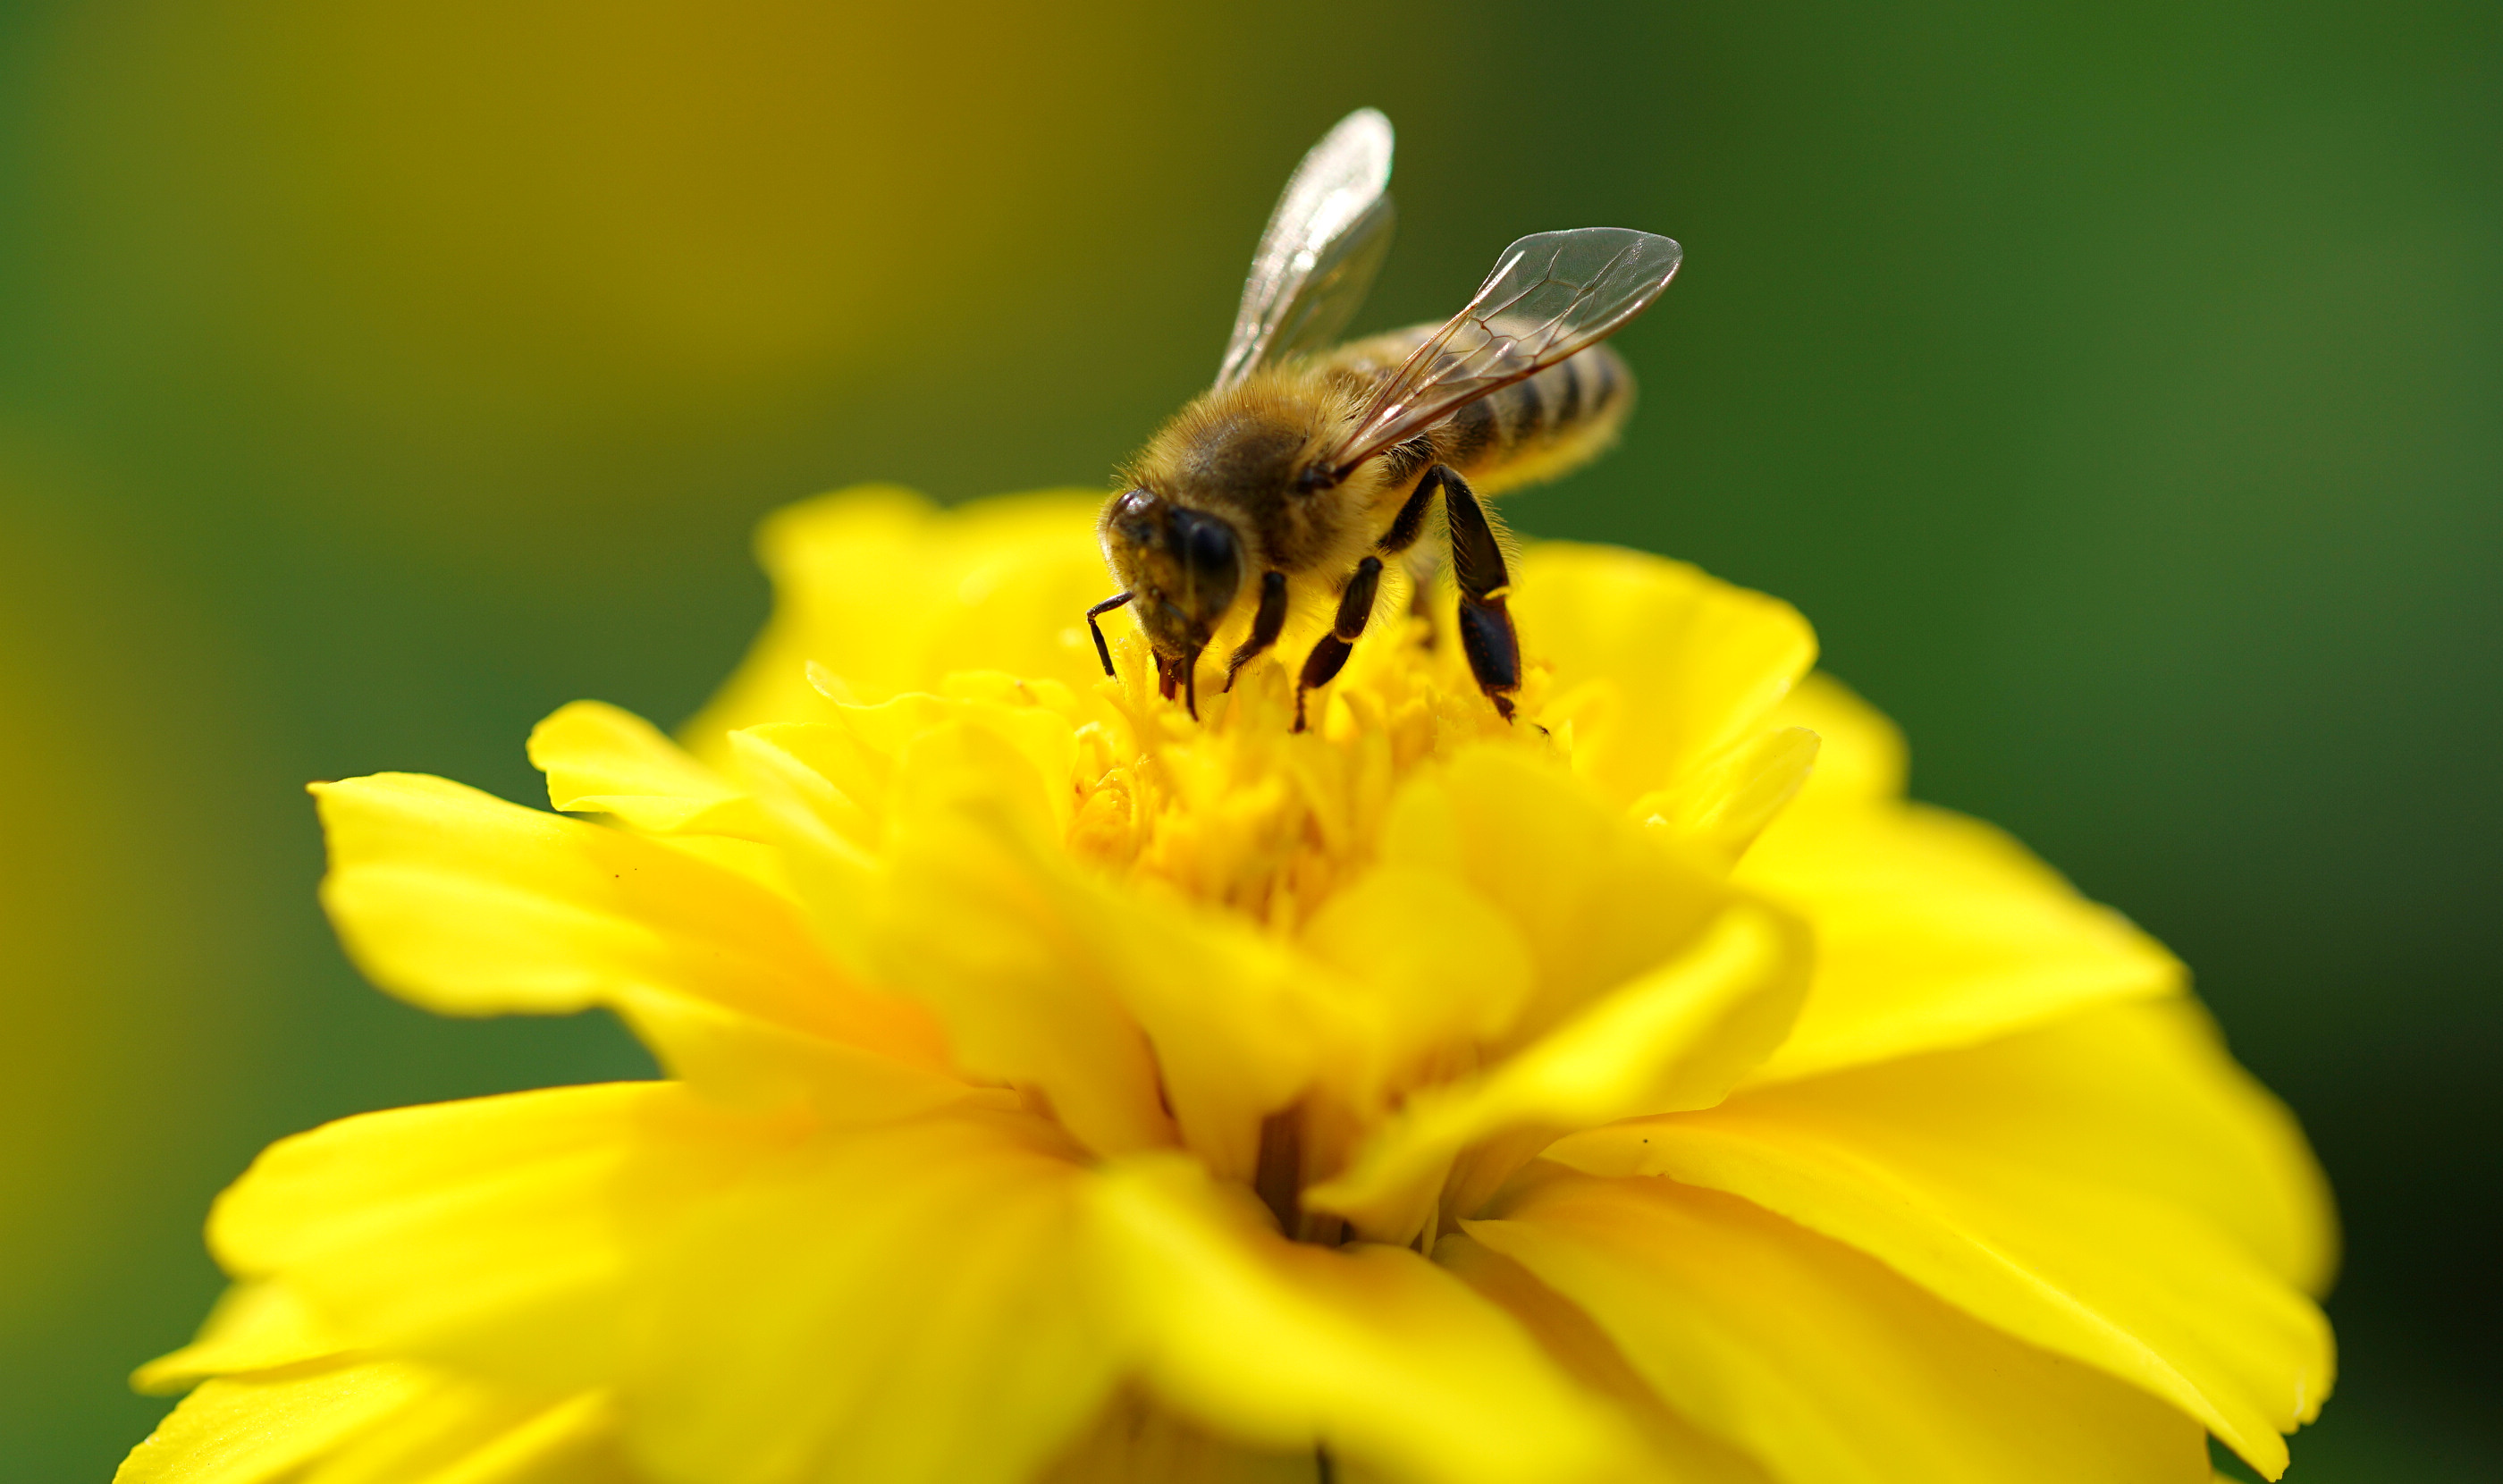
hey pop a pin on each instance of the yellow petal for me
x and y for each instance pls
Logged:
(2140, 1097)
(254, 1327)
(928, 839)
(983, 918)
(902, 1304)
(368, 1422)
(1816, 1359)
(2056, 1239)
(493, 1233)
(1136, 1443)
(892, 594)
(1426, 965)
(1685, 1452)
(261, 1429)
(1657, 665)
(1861, 757)
(1724, 801)
(471, 906)
(1676, 1038)
(1935, 930)
(463, 1434)
(1596, 899)
(1371, 1351)
(602, 760)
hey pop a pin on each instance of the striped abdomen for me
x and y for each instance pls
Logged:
(1537, 429)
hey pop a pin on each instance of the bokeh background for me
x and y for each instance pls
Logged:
(2119, 388)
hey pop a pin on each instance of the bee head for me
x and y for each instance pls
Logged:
(1184, 566)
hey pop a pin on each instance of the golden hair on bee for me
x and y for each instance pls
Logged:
(1304, 468)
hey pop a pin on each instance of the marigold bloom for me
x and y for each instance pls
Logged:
(1061, 1090)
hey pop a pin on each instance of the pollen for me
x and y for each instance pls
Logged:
(1238, 810)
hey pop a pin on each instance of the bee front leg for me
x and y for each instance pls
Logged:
(1104, 651)
(1486, 634)
(1330, 656)
(1266, 624)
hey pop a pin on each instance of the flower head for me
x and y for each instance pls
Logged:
(1062, 1088)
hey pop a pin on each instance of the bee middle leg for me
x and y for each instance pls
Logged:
(1405, 528)
(1330, 656)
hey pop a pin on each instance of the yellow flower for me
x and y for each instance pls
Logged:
(1061, 1090)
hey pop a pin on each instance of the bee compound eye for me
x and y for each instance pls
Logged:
(1212, 547)
(1210, 563)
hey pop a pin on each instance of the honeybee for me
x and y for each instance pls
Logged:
(1304, 469)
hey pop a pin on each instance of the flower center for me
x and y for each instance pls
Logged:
(1238, 809)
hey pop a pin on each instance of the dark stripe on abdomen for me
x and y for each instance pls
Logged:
(1528, 416)
(1473, 432)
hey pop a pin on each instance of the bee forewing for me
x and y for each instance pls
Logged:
(1319, 252)
(1551, 294)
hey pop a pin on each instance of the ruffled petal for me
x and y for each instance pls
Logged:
(927, 832)
(377, 1422)
(459, 1432)
(1686, 1453)
(905, 1304)
(2053, 1225)
(1677, 1036)
(1135, 1441)
(495, 1234)
(471, 906)
(261, 1429)
(1860, 755)
(1371, 1351)
(1815, 1359)
(1657, 665)
(1409, 993)
(1935, 930)
(1724, 801)
(1596, 899)
(893, 594)
(600, 760)
(952, 887)
(258, 1325)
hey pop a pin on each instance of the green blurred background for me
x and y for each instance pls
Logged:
(2119, 388)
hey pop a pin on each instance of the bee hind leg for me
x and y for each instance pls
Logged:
(1487, 634)
(1330, 656)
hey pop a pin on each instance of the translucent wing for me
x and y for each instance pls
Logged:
(1319, 255)
(1550, 295)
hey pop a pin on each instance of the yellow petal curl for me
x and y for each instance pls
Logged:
(2056, 1226)
(468, 905)
(1370, 1350)
(1657, 665)
(905, 1304)
(1815, 1359)
(1932, 929)
(377, 1422)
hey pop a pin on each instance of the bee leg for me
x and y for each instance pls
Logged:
(1179, 673)
(1405, 528)
(1410, 523)
(1422, 568)
(1487, 634)
(1330, 656)
(1104, 651)
(1265, 624)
